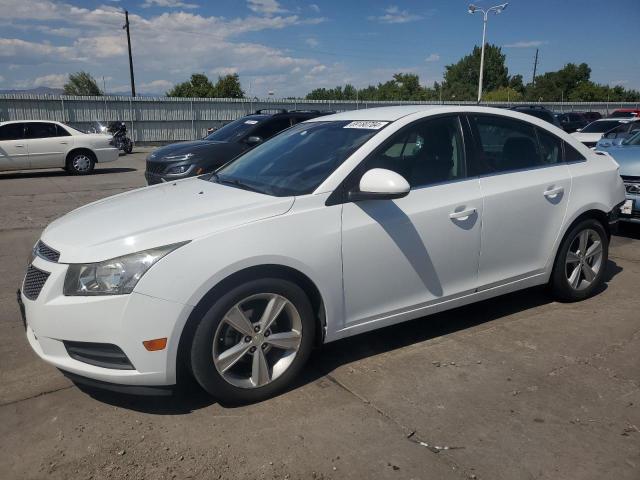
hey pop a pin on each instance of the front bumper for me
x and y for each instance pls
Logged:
(122, 320)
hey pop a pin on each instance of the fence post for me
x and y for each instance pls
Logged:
(193, 132)
(133, 131)
(62, 101)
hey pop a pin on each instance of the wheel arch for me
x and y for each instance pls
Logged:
(595, 213)
(85, 150)
(232, 281)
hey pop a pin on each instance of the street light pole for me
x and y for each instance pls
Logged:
(485, 13)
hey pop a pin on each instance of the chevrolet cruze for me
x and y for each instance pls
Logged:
(338, 225)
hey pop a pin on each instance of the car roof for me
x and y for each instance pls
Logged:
(391, 114)
(9, 122)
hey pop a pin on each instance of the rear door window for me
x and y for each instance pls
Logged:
(12, 131)
(35, 130)
(504, 144)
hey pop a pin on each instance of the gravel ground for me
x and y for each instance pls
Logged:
(518, 387)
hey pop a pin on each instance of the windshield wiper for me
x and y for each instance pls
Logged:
(235, 183)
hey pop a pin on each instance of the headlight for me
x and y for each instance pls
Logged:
(117, 276)
(177, 158)
(178, 170)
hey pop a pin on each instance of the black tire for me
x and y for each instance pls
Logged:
(201, 356)
(128, 146)
(80, 163)
(559, 282)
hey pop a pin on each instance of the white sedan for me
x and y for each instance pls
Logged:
(339, 225)
(31, 144)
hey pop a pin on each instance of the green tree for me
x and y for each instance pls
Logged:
(198, 86)
(229, 87)
(558, 85)
(461, 78)
(503, 94)
(82, 84)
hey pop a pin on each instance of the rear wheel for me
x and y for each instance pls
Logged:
(253, 341)
(581, 262)
(80, 163)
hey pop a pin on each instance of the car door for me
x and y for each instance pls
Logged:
(525, 185)
(410, 252)
(47, 148)
(14, 151)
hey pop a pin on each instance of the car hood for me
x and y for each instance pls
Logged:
(156, 216)
(627, 156)
(196, 147)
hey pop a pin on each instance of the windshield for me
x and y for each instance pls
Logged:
(236, 129)
(634, 140)
(296, 161)
(600, 126)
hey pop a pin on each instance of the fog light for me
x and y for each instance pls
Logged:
(155, 344)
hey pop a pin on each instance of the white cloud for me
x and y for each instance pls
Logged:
(265, 7)
(393, 14)
(168, 4)
(317, 69)
(155, 86)
(312, 42)
(526, 44)
(314, 7)
(54, 80)
(434, 57)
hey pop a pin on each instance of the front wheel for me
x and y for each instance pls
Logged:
(253, 341)
(580, 265)
(127, 146)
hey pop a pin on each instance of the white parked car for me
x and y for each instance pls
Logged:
(339, 225)
(31, 144)
(593, 132)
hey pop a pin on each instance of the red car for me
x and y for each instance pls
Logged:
(625, 113)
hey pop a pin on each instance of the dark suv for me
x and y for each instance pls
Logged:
(539, 112)
(572, 121)
(188, 159)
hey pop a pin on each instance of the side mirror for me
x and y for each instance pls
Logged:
(380, 184)
(610, 135)
(254, 140)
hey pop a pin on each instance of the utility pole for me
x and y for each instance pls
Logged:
(126, 27)
(535, 67)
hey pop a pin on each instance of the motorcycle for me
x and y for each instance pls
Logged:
(120, 139)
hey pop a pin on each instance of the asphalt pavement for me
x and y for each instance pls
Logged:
(517, 387)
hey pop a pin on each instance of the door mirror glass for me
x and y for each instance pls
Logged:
(254, 140)
(381, 184)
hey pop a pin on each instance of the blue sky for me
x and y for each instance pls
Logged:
(290, 47)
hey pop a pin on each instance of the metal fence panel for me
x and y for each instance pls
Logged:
(164, 119)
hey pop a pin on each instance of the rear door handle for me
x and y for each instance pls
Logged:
(553, 192)
(463, 215)
(19, 146)
(64, 143)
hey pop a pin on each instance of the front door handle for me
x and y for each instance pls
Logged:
(64, 143)
(462, 215)
(553, 192)
(19, 146)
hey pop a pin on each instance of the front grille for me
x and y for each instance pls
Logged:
(34, 280)
(46, 252)
(631, 184)
(153, 167)
(103, 355)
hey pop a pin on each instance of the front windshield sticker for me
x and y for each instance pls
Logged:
(251, 122)
(368, 125)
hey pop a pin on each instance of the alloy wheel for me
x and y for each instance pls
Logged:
(584, 259)
(257, 340)
(81, 163)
